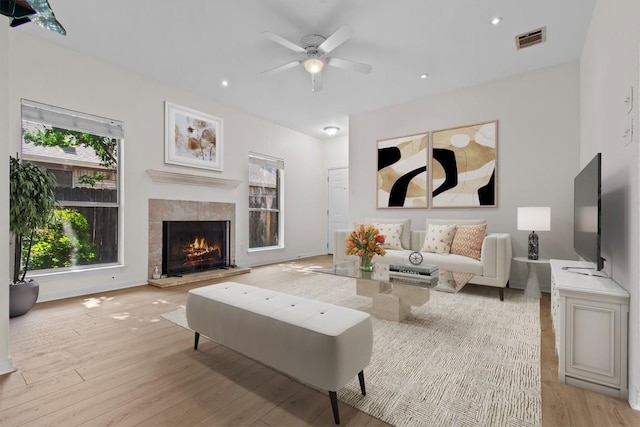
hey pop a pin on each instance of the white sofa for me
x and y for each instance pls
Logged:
(492, 269)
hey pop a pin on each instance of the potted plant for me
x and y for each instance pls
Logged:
(31, 204)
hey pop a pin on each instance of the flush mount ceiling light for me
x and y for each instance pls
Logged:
(225, 83)
(331, 130)
(496, 20)
(424, 75)
(313, 65)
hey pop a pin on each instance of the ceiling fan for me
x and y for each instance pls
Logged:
(315, 48)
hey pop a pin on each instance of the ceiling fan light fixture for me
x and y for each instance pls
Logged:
(331, 130)
(313, 65)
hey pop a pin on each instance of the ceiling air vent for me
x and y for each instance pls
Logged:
(531, 38)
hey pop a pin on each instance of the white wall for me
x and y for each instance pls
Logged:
(538, 130)
(53, 75)
(5, 361)
(608, 71)
(336, 152)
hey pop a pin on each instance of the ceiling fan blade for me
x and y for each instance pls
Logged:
(316, 82)
(284, 42)
(349, 65)
(281, 67)
(341, 35)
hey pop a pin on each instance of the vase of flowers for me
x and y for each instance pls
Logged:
(365, 241)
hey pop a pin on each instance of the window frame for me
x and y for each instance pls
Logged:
(277, 163)
(62, 118)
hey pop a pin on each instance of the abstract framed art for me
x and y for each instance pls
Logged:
(463, 166)
(192, 138)
(402, 172)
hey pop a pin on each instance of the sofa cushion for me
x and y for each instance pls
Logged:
(405, 237)
(439, 221)
(392, 234)
(439, 238)
(468, 240)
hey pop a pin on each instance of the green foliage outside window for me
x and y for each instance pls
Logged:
(65, 242)
(105, 148)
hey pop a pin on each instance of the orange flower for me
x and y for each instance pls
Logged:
(365, 240)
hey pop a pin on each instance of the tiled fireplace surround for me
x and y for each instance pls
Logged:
(185, 210)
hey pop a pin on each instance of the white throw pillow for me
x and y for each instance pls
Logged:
(391, 233)
(439, 238)
(405, 237)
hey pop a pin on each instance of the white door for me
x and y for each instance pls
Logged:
(338, 204)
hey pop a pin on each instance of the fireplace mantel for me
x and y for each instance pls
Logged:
(189, 179)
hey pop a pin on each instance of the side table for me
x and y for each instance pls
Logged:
(532, 288)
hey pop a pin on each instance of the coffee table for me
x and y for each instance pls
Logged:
(392, 298)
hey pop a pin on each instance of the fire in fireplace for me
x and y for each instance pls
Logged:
(191, 246)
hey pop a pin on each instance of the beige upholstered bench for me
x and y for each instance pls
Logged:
(321, 344)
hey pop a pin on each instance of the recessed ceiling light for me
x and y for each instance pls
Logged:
(225, 83)
(424, 75)
(496, 20)
(331, 130)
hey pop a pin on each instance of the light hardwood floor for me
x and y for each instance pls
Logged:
(110, 359)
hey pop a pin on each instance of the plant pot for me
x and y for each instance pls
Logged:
(22, 297)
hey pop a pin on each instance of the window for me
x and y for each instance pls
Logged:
(265, 200)
(82, 152)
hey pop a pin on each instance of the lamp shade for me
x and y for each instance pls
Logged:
(534, 219)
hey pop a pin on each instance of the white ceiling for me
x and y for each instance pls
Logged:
(195, 44)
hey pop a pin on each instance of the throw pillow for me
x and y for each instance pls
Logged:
(468, 240)
(391, 233)
(439, 238)
(405, 237)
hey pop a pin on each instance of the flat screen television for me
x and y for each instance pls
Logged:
(587, 212)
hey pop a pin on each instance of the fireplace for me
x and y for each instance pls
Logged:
(192, 246)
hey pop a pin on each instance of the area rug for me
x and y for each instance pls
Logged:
(464, 359)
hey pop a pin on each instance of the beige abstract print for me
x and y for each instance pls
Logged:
(402, 172)
(463, 166)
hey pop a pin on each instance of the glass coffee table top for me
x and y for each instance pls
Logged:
(380, 273)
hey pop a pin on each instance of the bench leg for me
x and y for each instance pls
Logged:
(361, 378)
(195, 341)
(334, 405)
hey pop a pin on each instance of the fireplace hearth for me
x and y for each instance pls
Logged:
(194, 246)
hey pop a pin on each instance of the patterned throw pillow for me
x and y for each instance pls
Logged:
(391, 233)
(468, 240)
(439, 238)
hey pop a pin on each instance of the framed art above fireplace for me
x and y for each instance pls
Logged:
(192, 138)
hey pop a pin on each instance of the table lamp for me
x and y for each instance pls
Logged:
(534, 219)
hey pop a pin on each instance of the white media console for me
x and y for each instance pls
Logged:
(590, 319)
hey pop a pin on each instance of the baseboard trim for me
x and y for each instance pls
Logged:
(6, 366)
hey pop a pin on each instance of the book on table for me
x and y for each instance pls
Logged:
(425, 270)
(414, 279)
